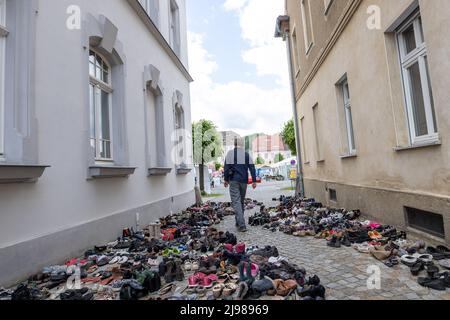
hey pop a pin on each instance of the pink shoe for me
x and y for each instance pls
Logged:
(255, 270)
(240, 248)
(193, 281)
(207, 282)
(213, 277)
(196, 279)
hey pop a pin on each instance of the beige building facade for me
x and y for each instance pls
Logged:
(372, 96)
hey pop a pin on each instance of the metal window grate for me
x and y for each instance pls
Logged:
(429, 222)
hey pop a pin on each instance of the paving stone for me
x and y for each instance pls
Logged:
(343, 271)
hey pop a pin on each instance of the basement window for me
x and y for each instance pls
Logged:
(429, 222)
(333, 195)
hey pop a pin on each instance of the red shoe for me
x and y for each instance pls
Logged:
(207, 282)
(71, 262)
(240, 248)
(193, 281)
(196, 279)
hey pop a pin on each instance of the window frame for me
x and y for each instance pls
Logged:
(174, 27)
(295, 51)
(309, 43)
(148, 5)
(350, 129)
(3, 36)
(303, 140)
(327, 5)
(180, 127)
(100, 86)
(317, 133)
(406, 60)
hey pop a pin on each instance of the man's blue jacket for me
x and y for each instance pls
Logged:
(237, 165)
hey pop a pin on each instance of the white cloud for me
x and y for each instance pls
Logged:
(230, 5)
(243, 106)
(268, 54)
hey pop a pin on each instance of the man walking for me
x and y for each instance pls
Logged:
(237, 165)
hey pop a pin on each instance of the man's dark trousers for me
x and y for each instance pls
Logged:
(238, 191)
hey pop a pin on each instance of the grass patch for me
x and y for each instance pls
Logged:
(288, 189)
(212, 195)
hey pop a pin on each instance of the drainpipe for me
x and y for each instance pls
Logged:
(283, 32)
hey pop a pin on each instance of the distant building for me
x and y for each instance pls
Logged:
(268, 147)
(228, 138)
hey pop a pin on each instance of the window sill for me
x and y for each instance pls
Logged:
(418, 146)
(307, 163)
(160, 171)
(3, 31)
(11, 173)
(183, 171)
(349, 156)
(321, 161)
(104, 172)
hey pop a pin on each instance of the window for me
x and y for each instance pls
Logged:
(307, 25)
(152, 9)
(302, 132)
(175, 27)
(3, 34)
(179, 129)
(348, 117)
(416, 81)
(327, 4)
(100, 91)
(333, 195)
(317, 133)
(295, 52)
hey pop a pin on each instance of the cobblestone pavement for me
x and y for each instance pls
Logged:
(343, 271)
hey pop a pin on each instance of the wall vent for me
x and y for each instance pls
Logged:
(429, 222)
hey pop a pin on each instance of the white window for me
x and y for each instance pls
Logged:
(3, 35)
(348, 117)
(416, 81)
(100, 91)
(179, 129)
(174, 20)
(307, 25)
(152, 9)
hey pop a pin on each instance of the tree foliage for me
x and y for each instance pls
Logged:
(207, 142)
(260, 161)
(278, 158)
(288, 135)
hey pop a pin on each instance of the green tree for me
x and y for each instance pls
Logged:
(288, 135)
(259, 161)
(207, 146)
(218, 166)
(278, 158)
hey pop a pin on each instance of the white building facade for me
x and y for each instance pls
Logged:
(91, 95)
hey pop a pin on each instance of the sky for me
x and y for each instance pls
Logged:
(240, 70)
